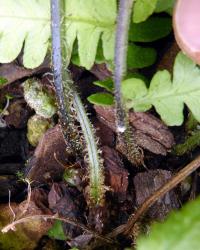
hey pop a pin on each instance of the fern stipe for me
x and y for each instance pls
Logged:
(121, 45)
(60, 75)
(71, 108)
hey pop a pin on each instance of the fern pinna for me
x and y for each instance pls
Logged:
(87, 21)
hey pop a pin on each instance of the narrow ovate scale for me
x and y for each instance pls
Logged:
(71, 110)
(186, 23)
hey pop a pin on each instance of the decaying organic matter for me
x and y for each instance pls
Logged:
(150, 133)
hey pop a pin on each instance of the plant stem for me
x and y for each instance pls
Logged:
(58, 72)
(121, 45)
(71, 110)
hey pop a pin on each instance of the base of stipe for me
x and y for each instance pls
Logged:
(121, 129)
(129, 146)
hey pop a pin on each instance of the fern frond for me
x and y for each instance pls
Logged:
(166, 95)
(93, 155)
(24, 23)
(28, 22)
(89, 21)
(85, 138)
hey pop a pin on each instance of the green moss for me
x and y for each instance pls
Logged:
(190, 144)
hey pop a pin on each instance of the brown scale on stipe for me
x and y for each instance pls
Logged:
(134, 152)
(71, 129)
(72, 113)
(127, 144)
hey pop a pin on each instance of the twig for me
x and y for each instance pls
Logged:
(9, 205)
(28, 198)
(27, 201)
(180, 176)
(12, 225)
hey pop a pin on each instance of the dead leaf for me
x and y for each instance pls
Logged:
(116, 174)
(81, 241)
(150, 133)
(48, 161)
(101, 71)
(67, 202)
(18, 114)
(54, 195)
(13, 71)
(146, 184)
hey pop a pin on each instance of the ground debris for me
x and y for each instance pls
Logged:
(67, 202)
(8, 182)
(50, 157)
(18, 114)
(10, 168)
(13, 145)
(104, 133)
(28, 234)
(152, 126)
(146, 184)
(101, 71)
(13, 71)
(116, 174)
(150, 133)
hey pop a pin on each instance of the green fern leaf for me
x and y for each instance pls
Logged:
(28, 23)
(164, 5)
(152, 29)
(143, 9)
(88, 21)
(24, 21)
(104, 99)
(179, 232)
(168, 97)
